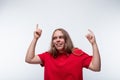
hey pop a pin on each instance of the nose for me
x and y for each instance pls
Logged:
(58, 39)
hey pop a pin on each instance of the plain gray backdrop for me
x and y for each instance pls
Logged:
(18, 19)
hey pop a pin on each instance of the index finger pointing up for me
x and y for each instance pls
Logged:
(36, 26)
(90, 30)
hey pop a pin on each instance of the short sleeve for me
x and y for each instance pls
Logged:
(86, 60)
(42, 58)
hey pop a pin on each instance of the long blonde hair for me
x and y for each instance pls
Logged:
(68, 43)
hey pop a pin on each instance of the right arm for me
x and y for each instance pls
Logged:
(30, 55)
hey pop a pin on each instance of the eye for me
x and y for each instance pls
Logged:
(61, 37)
(54, 38)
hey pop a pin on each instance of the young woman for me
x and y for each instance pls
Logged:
(63, 61)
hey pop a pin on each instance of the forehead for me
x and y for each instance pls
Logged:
(57, 33)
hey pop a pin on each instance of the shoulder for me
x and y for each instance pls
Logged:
(77, 52)
(44, 54)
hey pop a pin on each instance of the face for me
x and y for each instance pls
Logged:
(58, 41)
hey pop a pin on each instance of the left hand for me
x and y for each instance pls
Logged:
(91, 37)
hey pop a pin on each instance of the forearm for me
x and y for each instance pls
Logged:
(96, 61)
(31, 51)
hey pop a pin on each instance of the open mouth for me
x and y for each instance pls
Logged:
(59, 45)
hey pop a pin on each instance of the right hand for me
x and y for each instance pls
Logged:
(37, 32)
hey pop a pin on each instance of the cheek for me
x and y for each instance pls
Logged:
(63, 41)
(53, 42)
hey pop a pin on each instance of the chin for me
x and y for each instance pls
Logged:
(60, 49)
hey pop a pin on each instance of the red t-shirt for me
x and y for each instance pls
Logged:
(65, 67)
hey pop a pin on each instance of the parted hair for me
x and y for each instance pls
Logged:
(68, 43)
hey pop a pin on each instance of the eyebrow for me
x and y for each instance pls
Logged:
(61, 36)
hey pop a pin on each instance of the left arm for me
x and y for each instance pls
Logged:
(95, 64)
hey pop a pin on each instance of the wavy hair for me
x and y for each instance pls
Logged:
(68, 43)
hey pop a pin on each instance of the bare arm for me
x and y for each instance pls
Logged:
(30, 55)
(95, 64)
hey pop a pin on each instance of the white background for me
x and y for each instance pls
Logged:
(18, 19)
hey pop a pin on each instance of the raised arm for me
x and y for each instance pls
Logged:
(95, 64)
(30, 55)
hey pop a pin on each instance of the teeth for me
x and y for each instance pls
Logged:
(58, 44)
